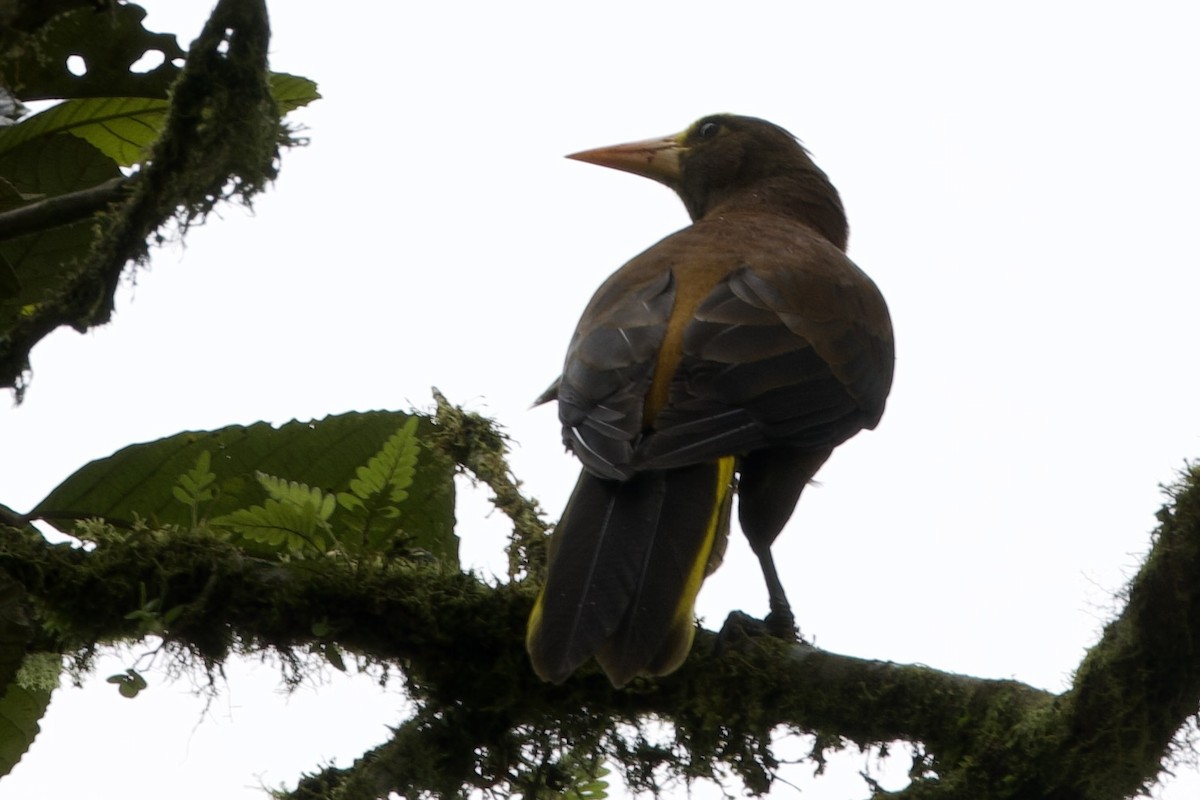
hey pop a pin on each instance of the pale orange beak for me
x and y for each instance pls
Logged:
(657, 159)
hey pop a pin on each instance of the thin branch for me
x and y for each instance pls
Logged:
(221, 141)
(476, 444)
(62, 209)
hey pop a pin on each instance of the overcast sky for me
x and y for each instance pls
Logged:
(1021, 182)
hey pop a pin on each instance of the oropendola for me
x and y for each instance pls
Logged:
(746, 344)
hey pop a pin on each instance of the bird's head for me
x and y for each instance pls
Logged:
(725, 157)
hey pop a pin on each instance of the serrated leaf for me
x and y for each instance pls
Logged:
(379, 488)
(391, 468)
(20, 711)
(298, 494)
(292, 91)
(349, 501)
(328, 505)
(138, 480)
(192, 489)
(280, 524)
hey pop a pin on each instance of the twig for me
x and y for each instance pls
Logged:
(62, 209)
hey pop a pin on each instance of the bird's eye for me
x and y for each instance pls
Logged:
(708, 130)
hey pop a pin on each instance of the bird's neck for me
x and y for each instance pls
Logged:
(807, 198)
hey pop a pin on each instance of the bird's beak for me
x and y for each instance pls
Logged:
(657, 159)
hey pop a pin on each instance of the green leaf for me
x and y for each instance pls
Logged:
(582, 776)
(350, 502)
(138, 480)
(391, 468)
(40, 261)
(11, 197)
(22, 706)
(194, 487)
(15, 628)
(297, 494)
(377, 491)
(109, 40)
(333, 655)
(125, 128)
(294, 518)
(130, 683)
(282, 527)
(20, 711)
(292, 91)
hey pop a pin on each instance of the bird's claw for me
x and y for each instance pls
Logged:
(740, 627)
(781, 623)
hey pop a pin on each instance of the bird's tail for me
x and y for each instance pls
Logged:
(625, 564)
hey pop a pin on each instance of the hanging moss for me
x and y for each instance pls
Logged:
(484, 720)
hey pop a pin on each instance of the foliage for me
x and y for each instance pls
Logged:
(333, 539)
(392, 502)
(27, 679)
(137, 150)
(261, 486)
(295, 518)
(20, 710)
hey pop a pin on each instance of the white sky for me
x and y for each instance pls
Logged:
(1021, 183)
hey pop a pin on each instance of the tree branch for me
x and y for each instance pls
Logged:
(475, 443)
(459, 645)
(62, 209)
(221, 141)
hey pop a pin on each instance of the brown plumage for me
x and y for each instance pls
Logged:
(746, 341)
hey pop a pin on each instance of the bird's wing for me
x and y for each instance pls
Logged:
(789, 349)
(766, 334)
(609, 367)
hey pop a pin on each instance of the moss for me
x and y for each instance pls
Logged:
(476, 444)
(484, 720)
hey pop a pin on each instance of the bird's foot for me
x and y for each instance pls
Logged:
(740, 627)
(781, 623)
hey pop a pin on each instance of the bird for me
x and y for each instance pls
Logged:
(729, 358)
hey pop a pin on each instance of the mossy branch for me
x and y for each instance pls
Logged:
(459, 644)
(475, 443)
(221, 141)
(62, 209)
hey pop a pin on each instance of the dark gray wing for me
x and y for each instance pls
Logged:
(607, 374)
(783, 354)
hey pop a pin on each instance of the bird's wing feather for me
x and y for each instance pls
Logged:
(626, 562)
(793, 350)
(787, 343)
(608, 370)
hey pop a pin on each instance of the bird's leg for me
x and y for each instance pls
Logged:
(780, 621)
(771, 481)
